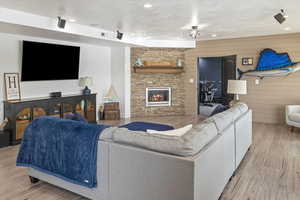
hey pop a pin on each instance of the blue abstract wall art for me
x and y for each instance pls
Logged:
(271, 64)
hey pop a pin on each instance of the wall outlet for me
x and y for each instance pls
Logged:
(257, 81)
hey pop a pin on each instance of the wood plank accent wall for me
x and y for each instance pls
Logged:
(268, 99)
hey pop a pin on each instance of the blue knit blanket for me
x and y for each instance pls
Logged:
(63, 148)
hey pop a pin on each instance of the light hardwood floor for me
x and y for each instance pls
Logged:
(270, 170)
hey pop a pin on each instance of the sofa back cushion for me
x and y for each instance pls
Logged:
(187, 145)
(225, 119)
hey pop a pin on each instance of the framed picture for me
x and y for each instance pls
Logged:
(12, 86)
(247, 61)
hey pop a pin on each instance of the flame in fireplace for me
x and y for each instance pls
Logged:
(157, 97)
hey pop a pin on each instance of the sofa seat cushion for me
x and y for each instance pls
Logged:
(294, 116)
(187, 145)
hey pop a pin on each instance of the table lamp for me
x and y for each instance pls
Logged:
(237, 87)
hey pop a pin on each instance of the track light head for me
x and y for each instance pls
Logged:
(61, 23)
(195, 32)
(119, 35)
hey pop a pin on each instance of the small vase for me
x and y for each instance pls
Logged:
(86, 91)
(179, 63)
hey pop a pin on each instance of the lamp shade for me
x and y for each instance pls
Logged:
(86, 81)
(237, 87)
(111, 95)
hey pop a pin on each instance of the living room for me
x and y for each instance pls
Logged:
(134, 83)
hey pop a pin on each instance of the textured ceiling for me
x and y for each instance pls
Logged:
(225, 18)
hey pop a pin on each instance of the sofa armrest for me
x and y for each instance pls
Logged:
(137, 173)
(243, 136)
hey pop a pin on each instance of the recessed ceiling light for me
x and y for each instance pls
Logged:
(147, 5)
(94, 25)
(287, 28)
(214, 35)
(72, 20)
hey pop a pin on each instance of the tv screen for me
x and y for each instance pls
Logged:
(43, 61)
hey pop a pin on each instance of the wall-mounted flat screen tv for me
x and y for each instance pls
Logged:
(42, 61)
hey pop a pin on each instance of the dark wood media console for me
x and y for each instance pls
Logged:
(20, 113)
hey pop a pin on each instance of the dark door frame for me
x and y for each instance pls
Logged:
(198, 75)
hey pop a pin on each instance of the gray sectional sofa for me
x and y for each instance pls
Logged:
(140, 166)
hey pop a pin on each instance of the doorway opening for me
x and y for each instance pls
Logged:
(213, 76)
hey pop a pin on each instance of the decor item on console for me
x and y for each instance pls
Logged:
(271, 64)
(138, 63)
(3, 124)
(237, 87)
(111, 111)
(12, 86)
(111, 105)
(101, 112)
(86, 82)
(111, 95)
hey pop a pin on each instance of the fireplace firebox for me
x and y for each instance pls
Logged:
(158, 97)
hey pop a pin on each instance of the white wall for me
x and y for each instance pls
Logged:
(127, 83)
(95, 61)
(120, 70)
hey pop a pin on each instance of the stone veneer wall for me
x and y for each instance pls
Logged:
(140, 81)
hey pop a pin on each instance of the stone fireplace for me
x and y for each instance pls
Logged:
(158, 96)
(157, 103)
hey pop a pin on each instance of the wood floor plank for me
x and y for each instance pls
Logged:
(270, 170)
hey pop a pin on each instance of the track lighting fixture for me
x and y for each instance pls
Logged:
(61, 23)
(119, 35)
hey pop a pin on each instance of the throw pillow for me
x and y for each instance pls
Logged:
(173, 133)
(76, 117)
